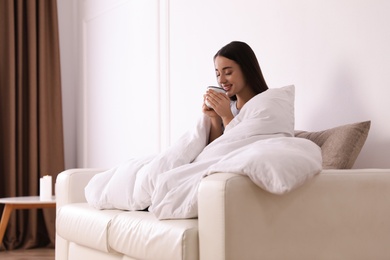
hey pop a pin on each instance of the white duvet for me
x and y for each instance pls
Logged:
(258, 143)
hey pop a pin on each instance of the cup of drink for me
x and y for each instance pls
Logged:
(216, 89)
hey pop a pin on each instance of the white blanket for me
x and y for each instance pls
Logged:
(258, 143)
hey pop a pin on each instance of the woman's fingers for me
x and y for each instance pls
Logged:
(215, 98)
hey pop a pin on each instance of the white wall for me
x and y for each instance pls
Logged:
(116, 91)
(68, 51)
(334, 52)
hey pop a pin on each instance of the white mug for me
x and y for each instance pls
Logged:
(216, 89)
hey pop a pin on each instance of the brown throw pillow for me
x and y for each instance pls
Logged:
(340, 145)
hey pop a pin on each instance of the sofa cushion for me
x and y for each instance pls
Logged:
(85, 225)
(340, 145)
(140, 235)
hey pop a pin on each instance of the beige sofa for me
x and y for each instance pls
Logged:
(339, 214)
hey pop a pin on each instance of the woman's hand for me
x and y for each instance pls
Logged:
(220, 104)
(219, 114)
(207, 110)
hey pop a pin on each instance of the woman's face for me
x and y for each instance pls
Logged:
(229, 75)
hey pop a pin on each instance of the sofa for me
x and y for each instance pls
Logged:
(341, 213)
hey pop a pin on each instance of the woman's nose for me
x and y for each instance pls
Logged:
(222, 79)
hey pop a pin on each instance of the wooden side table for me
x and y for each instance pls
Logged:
(29, 202)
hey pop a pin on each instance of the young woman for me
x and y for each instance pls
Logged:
(238, 73)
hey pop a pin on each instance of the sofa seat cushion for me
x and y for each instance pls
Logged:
(140, 235)
(85, 225)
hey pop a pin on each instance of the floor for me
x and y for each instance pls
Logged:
(31, 254)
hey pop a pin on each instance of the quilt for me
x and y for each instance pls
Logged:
(259, 143)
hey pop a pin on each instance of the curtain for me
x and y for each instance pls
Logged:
(31, 134)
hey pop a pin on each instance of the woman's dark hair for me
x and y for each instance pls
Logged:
(243, 55)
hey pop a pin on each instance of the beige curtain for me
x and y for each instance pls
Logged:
(31, 135)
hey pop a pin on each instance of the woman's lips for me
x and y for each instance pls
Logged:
(226, 88)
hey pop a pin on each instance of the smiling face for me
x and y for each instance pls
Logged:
(229, 76)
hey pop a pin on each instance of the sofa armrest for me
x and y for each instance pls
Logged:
(338, 214)
(70, 185)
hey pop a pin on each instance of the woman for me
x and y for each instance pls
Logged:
(238, 73)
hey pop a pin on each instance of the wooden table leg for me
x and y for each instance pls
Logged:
(4, 220)
(9, 207)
